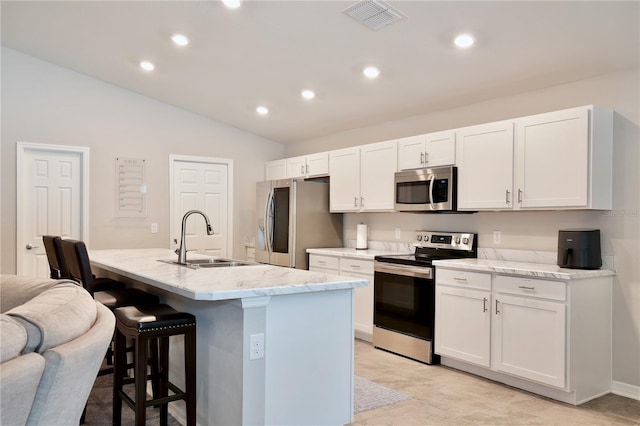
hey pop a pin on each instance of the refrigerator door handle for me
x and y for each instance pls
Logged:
(269, 221)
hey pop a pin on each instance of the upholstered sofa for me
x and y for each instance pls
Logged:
(53, 339)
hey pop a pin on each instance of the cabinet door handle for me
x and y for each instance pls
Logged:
(484, 304)
(519, 195)
(306, 169)
(355, 201)
(507, 193)
(459, 279)
(497, 311)
(322, 262)
(302, 169)
(361, 201)
(426, 158)
(355, 266)
(524, 287)
(422, 158)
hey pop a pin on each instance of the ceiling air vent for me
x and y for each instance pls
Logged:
(373, 14)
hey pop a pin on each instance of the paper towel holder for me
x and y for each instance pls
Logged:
(361, 237)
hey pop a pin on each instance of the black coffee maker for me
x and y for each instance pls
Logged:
(579, 249)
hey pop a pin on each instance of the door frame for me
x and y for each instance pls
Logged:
(22, 148)
(208, 160)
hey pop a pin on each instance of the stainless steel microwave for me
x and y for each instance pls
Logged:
(426, 190)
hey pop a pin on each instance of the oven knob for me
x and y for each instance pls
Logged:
(465, 240)
(457, 240)
(419, 237)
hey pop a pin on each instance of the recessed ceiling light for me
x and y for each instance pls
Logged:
(180, 40)
(464, 41)
(231, 4)
(371, 72)
(147, 66)
(262, 110)
(308, 94)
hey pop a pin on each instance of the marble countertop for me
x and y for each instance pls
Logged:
(369, 254)
(540, 270)
(224, 283)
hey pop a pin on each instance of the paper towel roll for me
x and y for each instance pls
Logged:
(361, 237)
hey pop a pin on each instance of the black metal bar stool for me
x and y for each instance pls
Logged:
(143, 324)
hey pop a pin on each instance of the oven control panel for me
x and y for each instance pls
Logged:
(446, 240)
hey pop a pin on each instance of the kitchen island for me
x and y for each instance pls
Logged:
(305, 319)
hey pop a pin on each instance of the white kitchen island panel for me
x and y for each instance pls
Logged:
(306, 375)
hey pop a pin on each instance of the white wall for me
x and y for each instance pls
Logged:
(620, 228)
(44, 103)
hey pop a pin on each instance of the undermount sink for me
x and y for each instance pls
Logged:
(209, 263)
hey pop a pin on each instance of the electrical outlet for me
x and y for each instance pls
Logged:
(497, 237)
(397, 233)
(256, 346)
(154, 228)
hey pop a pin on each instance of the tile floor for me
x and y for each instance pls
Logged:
(444, 396)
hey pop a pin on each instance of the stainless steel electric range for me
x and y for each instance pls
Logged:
(404, 293)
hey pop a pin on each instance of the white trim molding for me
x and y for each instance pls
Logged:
(626, 390)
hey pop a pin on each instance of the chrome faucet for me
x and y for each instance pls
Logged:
(182, 251)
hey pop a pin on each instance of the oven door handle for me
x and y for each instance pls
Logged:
(404, 270)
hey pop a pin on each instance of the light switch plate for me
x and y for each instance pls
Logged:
(154, 228)
(497, 237)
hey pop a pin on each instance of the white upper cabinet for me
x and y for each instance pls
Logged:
(557, 160)
(344, 169)
(308, 165)
(563, 159)
(274, 170)
(362, 178)
(430, 150)
(485, 166)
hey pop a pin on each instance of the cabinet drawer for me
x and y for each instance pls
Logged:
(356, 266)
(326, 262)
(466, 279)
(543, 289)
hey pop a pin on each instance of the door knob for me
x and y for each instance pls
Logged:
(29, 246)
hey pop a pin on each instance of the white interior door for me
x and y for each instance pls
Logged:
(202, 184)
(51, 200)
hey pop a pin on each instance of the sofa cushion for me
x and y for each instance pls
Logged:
(18, 289)
(60, 314)
(13, 338)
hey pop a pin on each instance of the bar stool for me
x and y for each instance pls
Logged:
(143, 324)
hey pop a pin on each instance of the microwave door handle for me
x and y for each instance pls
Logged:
(433, 178)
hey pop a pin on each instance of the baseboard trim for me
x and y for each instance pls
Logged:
(626, 390)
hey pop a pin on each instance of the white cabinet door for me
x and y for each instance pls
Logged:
(363, 304)
(274, 170)
(411, 152)
(440, 149)
(430, 150)
(463, 324)
(318, 164)
(344, 169)
(296, 167)
(308, 165)
(378, 164)
(529, 339)
(552, 159)
(485, 166)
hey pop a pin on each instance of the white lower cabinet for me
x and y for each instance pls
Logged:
(363, 303)
(463, 317)
(548, 337)
(363, 309)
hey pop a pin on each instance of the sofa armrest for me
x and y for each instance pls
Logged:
(71, 370)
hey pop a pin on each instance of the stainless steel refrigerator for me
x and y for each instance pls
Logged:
(292, 216)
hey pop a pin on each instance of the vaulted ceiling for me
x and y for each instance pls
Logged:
(267, 52)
